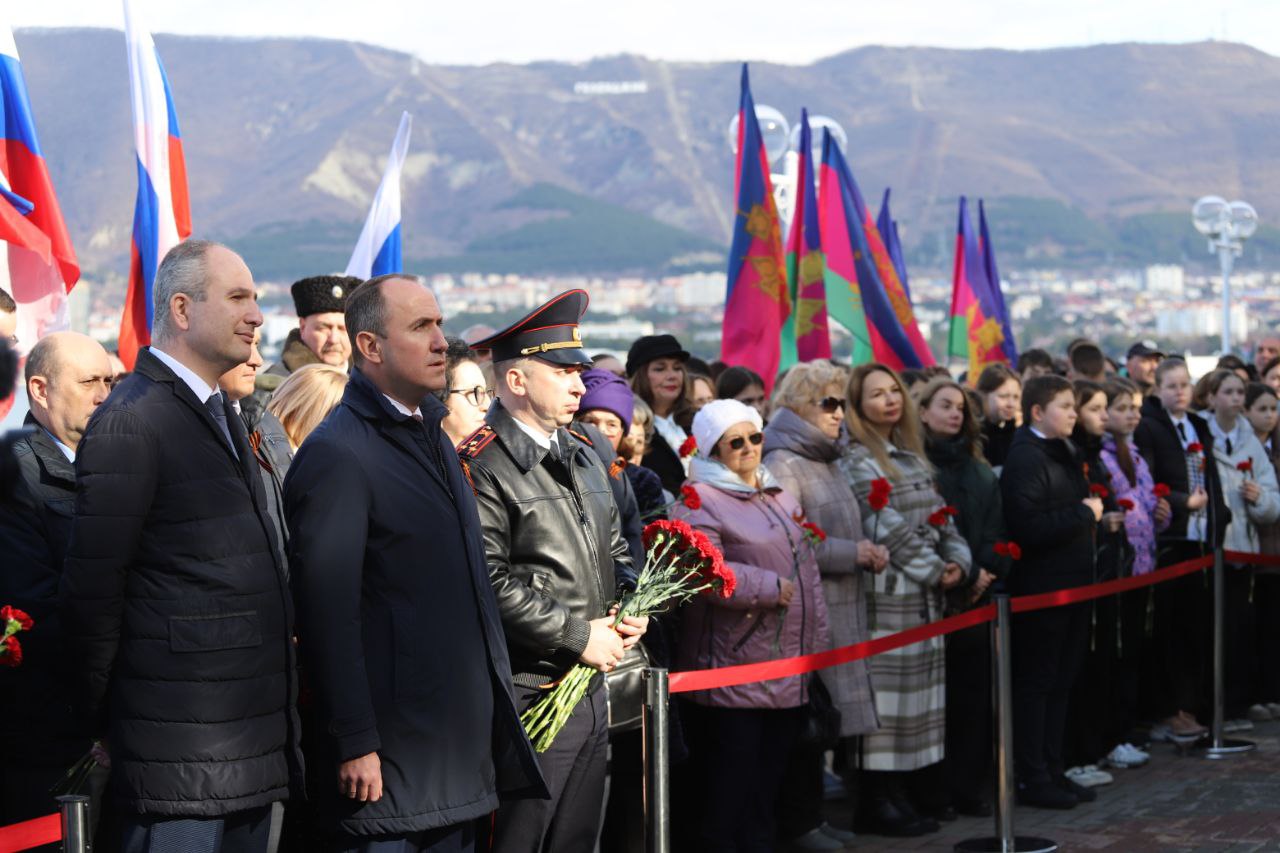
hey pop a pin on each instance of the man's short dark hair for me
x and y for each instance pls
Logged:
(7, 305)
(1040, 391)
(366, 310)
(1088, 360)
(1034, 358)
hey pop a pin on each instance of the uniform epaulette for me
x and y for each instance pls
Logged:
(477, 441)
(581, 438)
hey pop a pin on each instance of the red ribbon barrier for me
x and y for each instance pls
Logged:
(749, 673)
(31, 833)
(1252, 559)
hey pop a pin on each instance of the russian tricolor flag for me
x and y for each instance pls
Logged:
(162, 212)
(377, 251)
(42, 264)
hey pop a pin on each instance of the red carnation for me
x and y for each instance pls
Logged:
(1160, 490)
(689, 496)
(880, 491)
(950, 510)
(1195, 447)
(814, 531)
(689, 447)
(24, 621)
(1098, 490)
(938, 518)
(1015, 551)
(1246, 468)
(1125, 504)
(12, 652)
(1008, 549)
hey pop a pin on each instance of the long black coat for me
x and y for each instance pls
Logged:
(176, 607)
(1043, 486)
(35, 524)
(1158, 442)
(401, 639)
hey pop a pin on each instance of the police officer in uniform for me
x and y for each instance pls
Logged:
(556, 559)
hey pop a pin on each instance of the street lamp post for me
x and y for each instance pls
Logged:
(1227, 225)
(781, 145)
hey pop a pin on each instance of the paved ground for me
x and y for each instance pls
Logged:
(1176, 803)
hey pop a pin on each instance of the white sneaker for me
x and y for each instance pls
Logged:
(1092, 777)
(1274, 708)
(1124, 756)
(1139, 755)
(1260, 713)
(1230, 726)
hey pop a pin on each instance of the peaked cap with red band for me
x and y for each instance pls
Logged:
(550, 333)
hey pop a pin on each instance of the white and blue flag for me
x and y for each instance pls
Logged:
(377, 251)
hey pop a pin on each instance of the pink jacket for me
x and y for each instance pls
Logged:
(761, 537)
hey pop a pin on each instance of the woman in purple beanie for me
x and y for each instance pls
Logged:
(608, 406)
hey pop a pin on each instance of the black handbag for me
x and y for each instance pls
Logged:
(624, 685)
(820, 723)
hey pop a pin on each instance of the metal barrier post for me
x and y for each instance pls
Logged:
(1217, 746)
(1004, 840)
(75, 823)
(657, 774)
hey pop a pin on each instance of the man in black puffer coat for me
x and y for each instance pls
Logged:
(173, 598)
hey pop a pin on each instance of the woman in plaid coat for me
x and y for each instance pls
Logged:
(927, 556)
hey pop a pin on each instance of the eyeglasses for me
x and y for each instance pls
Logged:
(831, 405)
(477, 396)
(739, 442)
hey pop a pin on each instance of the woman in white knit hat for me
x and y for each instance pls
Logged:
(741, 737)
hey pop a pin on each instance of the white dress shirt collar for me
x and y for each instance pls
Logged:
(197, 385)
(66, 451)
(546, 442)
(403, 409)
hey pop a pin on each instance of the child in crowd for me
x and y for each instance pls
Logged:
(1175, 444)
(1260, 404)
(1051, 515)
(1249, 487)
(1002, 391)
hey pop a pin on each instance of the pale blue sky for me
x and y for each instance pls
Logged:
(794, 31)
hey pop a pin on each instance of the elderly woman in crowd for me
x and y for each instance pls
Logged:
(902, 510)
(802, 444)
(467, 393)
(741, 737)
(306, 398)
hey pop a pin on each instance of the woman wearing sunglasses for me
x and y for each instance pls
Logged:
(467, 393)
(741, 737)
(802, 443)
(927, 556)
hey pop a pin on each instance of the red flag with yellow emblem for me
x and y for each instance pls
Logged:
(806, 337)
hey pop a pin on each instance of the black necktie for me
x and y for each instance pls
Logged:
(1182, 431)
(218, 409)
(1228, 446)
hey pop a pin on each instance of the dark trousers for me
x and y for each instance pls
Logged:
(1266, 608)
(800, 793)
(967, 766)
(740, 755)
(445, 839)
(1048, 647)
(624, 813)
(574, 770)
(1238, 644)
(1183, 608)
(250, 831)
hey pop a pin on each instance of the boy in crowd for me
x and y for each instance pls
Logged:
(1049, 511)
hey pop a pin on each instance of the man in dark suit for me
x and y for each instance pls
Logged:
(173, 598)
(399, 629)
(68, 375)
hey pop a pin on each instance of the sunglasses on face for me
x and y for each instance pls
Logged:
(830, 405)
(477, 396)
(740, 442)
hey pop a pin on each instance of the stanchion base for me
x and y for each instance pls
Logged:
(1227, 748)
(1021, 844)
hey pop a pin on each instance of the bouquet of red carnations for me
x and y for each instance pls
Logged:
(680, 562)
(12, 621)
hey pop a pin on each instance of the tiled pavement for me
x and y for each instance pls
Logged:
(1178, 804)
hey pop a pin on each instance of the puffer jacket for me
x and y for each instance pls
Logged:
(176, 608)
(1242, 532)
(760, 535)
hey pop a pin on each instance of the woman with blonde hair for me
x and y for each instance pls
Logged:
(306, 398)
(901, 510)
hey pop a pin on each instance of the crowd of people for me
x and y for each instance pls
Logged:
(303, 606)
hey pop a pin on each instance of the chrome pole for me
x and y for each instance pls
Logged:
(75, 823)
(657, 773)
(1218, 746)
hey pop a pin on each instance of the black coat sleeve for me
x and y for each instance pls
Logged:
(1026, 488)
(117, 473)
(327, 505)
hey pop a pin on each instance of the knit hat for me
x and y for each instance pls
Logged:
(609, 392)
(715, 418)
(322, 294)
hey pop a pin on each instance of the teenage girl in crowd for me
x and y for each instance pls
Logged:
(953, 443)
(1002, 390)
(1249, 486)
(1174, 442)
(1146, 514)
(656, 365)
(1260, 401)
(925, 559)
